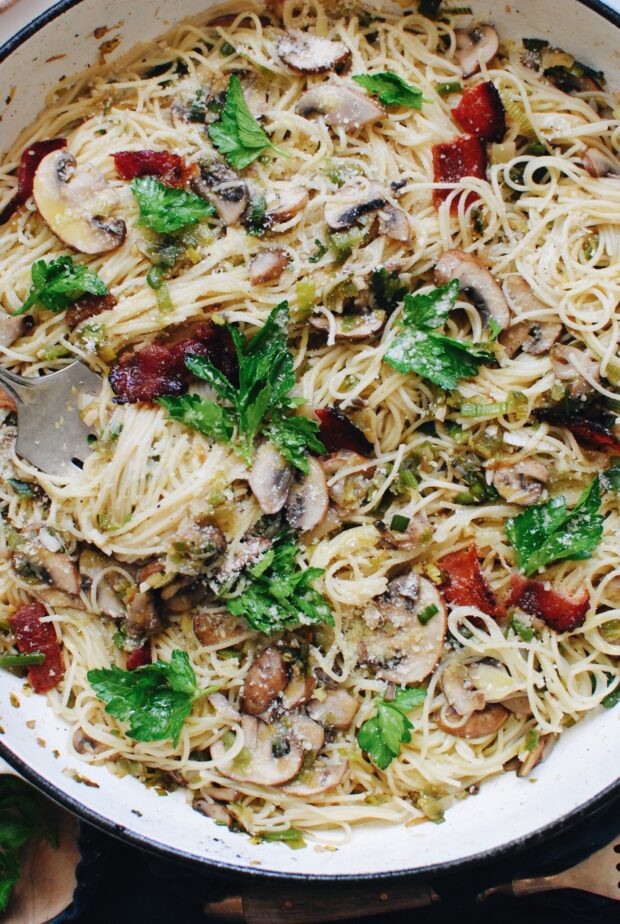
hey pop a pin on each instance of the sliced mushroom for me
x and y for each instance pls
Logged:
(536, 756)
(393, 223)
(75, 204)
(142, 617)
(568, 364)
(290, 201)
(493, 679)
(316, 780)
(270, 478)
(337, 709)
(519, 705)
(11, 329)
(297, 692)
(599, 163)
(478, 725)
(475, 47)
(269, 757)
(183, 595)
(223, 708)
(224, 188)
(402, 649)
(63, 572)
(351, 326)
(330, 523)
(311, 54)
(86, 745)
(339, 105)
(350, 491)
(521, 482)
(218, 629)
(535, 337)
(91, 565)
(212, 810)
(460, 691)
(194, 545)
(308, 733)
(267, 266)
(417, 529)
(264, 681)
(308, 499)
(476, 282)
(351, 203)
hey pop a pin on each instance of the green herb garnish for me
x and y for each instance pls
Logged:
(207, 417)
(427, 613)
(12, 661)
(237, 135)
(399, 523)
(390, 89)
(292, 837)
(166, 208)
(531, 739)
(382, 736)
(522, 629)
(447, 87)
(59, 283)
(549, 532)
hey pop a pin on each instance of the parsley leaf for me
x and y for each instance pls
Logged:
(419, 348)
(155, 699)
(207, 417)
(279, 594)
(390, 89)
(237, 135)
(59, 283)
(549, 532)
(294, 436)
(382, 735)
(167, 208)
(23, 813)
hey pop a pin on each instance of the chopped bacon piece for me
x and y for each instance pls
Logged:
(32, 636)
(171, 169)
(337, 432)
(159, 368)
(139, 656)
(560, 612)
(29, 161)
(481, 112)
(88, 306)
(586, 429)
(452, 160)
(465, 584)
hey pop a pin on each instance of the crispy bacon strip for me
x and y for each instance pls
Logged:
(88, 306)
(171, 169)
(30, 160)
(159, 368)
(560, 612)
(139, 656)
(32, 636)
(452, 160)
(481, 112)
(465, 584)
(590, 432)
(337, 432)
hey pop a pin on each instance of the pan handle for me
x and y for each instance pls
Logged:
(307, 903)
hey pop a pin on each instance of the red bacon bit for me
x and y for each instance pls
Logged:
(171, 169)
(29, 161)
(139, 656)
(584, 427)
(337, 432)
(452, 160)
(466, 585)
(481, 112)
(88, 306)
(159, 368)
(560, 612)
(32, 636)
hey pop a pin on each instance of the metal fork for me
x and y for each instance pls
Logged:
(298, 903)
(50, 431)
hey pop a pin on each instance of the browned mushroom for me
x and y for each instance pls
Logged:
(142, 617)
(54, 568)
(407, 628)
(317, 779)
(267, 266)
(85, 745)
(339, 105)
(241, 554)
(477, 284)
(569, 363)
(393, 223)
(224, 188)
(350, 491)
(219, 629)
(298, 691)
(75, 204)
(194, 545)
(599, 162)
(289, 202)
(311, 54)
(521, 482)
(336, 709)
(264, 681)
(351, 203)
(459, 689)
(212, 810)
(183, 594)
(360, 326)
(270, 478)
(417, 531)
(94, 566)
(475, 47)
(270, 756)
(478, 725)
(11, 329)
(308, 498)
(535, 337)
(537, 755)
(519, 705)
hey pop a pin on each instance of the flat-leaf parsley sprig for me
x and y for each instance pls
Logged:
(382, 735)
(237, 135)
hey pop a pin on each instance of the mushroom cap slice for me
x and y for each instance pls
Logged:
(403, 650)
(308, 499)
(11, 329)
(224, 188)
(264, 681)
(267, 266)
(336, 710)
(91, 565)
(351, 326)
(477, 283)
(270, 478)
(308, 733)
(318, 779)
(568, 362)
(268, 757)
(218, 629)
(351, 203)
(348, 492)
(74, 204)
(599, 163)
(475, 47)
(393, 223)
(535, 337)
(289, 202)
(478, 725)
(459, 689)
(535, 757)
(339, 105)
(521, 482)
(311, 54)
